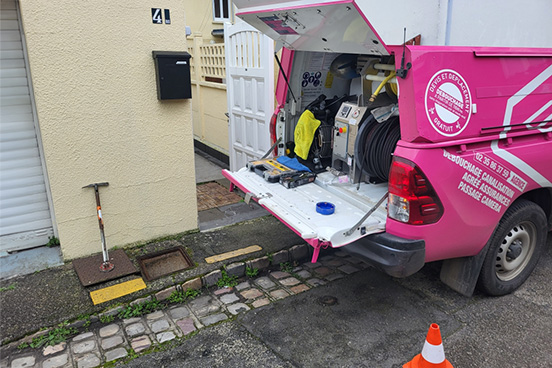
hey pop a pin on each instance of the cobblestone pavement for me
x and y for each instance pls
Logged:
(121, 340)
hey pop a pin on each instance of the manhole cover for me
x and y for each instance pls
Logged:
(327, 300)
(163, 263)
(88, 269)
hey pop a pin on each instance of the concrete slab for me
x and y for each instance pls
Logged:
(29, 261)
(206, 170)
(229, 215)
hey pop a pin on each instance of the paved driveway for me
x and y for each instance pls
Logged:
(380, 322)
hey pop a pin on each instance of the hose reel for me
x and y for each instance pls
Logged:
(374, 147)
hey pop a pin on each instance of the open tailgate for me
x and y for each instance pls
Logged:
(297, 207)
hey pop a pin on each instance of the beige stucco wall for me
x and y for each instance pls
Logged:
(216, 123)
(210, 123)
(202, 19)
(100, 120)
(197, 121)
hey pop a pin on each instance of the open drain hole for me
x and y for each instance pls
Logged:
(327, 300)
(159, 264)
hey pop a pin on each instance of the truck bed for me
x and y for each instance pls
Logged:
(297, 207)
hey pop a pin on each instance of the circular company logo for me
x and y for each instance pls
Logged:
(448, 102)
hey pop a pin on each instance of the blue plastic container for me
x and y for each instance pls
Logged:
(325, 208)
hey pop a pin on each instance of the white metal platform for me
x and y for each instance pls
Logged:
(297, 207)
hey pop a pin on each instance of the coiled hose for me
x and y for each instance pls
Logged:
(374, 147)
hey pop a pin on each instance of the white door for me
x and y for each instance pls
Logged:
(25, 218)
(250, 92)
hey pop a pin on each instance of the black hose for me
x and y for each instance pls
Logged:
(364, 131)
(374, 147)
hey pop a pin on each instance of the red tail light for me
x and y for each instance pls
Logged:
(412, 199)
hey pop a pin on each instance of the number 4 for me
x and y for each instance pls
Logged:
(156, 16)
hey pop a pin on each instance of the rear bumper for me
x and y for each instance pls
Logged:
(393, 255)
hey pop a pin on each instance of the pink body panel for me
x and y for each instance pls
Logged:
(477, 121)
(476, 174)
(472, 204)
(475, 187)
(281, 86)
(453, 93)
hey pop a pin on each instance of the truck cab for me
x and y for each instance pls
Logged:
(404, 140)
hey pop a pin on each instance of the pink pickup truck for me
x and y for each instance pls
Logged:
(433, 139)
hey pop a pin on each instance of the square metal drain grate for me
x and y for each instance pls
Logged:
(88, 269)
(165, 262)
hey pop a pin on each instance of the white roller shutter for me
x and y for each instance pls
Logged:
(25, 218)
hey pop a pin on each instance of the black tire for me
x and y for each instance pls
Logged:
(514, 248)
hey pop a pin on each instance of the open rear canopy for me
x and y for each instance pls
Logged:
(326, 27)
(371, 26)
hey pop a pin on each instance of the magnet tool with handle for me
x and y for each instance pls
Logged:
(106, 266)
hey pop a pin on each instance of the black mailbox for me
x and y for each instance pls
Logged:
(173, 75)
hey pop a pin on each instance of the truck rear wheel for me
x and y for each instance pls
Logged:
(515, 248)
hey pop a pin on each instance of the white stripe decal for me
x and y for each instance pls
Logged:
(512, 101)
(520, 164)
(434, 354)
(548, 119)
(521, 94)
(536, 114)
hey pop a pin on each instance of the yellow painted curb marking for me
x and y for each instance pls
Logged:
(232, 254)
(117, 291)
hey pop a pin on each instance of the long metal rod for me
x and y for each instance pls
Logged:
(372, 210)
(271, 148)
(106, 266)
(101, 223)
(285, 77)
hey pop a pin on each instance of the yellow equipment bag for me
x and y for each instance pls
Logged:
(304, 133)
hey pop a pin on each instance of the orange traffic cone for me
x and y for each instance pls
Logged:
(433, 353)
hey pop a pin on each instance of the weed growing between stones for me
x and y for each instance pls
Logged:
(227, 281)
(138, 310)
(251, 272)
(53, 337)
(286, 267)
(107, 318)
(87, 323)
(182, 296)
